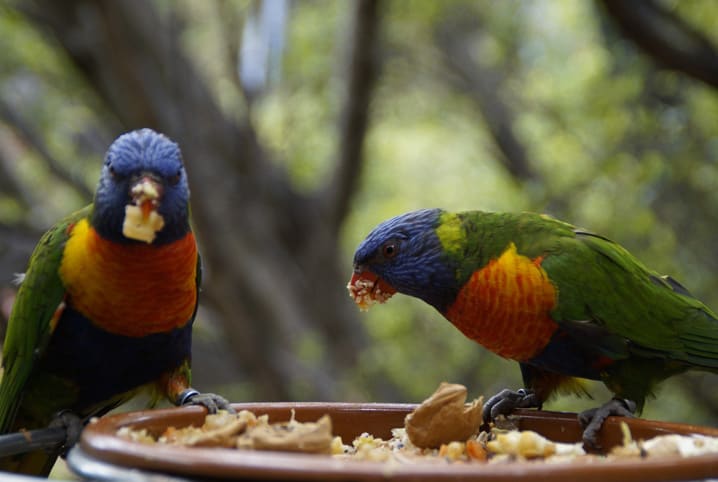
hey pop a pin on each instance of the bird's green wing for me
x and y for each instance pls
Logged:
(39, 300)
(603, 286)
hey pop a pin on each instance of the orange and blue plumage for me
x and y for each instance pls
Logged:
(106, 307)
(562, 302)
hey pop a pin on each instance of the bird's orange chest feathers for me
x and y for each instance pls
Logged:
(130, 289)
(506, 306)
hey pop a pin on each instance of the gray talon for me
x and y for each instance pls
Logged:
(506, 401)
(73, 426)
(211, 401)
(592, 420)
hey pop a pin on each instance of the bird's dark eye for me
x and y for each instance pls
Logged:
(111, 168)
(176, 178)
(389, 250)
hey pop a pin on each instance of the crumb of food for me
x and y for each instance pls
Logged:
(663, 445)
(476, 450)
(338, 447)
(527, 444)
(628, 447)
(141, 436)
(453, 450)
(140, 225)
(367, 290)
(444, 417)
(368, 447)
(682, 445)
(145, 191)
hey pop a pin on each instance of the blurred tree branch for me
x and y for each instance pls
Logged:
(666, 38)
(483, 84)
(362, 70)
(33, 138)
(10, 184)
(15, 242)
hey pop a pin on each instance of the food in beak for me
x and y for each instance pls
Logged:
(142, 221)
(366, 288)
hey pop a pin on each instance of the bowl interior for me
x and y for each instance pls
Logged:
(99, 442)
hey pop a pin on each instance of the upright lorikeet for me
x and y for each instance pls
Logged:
(563, 302)
(106, 306)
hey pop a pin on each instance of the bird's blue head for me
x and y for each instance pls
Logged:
(405, 255)
(142, 196)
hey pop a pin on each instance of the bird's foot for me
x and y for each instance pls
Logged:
(592, 420)
(211, 401)
(73, 426)
(504, 402)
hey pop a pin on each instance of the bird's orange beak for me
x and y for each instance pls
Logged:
(366, 288)
(146, 194)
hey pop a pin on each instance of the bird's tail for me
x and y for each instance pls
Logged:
(696, 328)
(699, 336)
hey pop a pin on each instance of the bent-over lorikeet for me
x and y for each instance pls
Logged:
(563, 302)
(106, 306)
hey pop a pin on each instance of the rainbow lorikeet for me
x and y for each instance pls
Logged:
(106, 306)
(564, 303)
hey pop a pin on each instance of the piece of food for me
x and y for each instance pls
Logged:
(530, 445)
(140, 227)
(664, 445)
(682, 445)
(368, 447)
(245, 430)
(366, 290)
(526, 444)
(309, 437)
(628, 447)
(444, 417)
(453, 450)
(476, 450)
(219, 430)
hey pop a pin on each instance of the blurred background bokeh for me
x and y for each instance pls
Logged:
(305, 123)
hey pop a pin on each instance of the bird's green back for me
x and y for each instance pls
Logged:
(599, 284)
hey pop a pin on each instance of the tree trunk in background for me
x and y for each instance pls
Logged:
(272, 267)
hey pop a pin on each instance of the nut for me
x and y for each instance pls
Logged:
(444, 417)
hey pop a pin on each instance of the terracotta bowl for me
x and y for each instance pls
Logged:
(100, 447)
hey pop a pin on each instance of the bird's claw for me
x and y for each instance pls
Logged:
(504, 402)
(592, 420)
(73, 426)
(211, 401)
